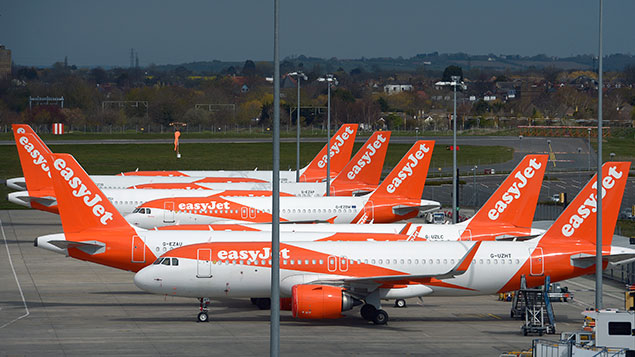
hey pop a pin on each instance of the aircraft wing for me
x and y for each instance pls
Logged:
(460, 268)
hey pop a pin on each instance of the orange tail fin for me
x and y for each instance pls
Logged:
(408, 178)
(81, 203)
(578, 222)
(366, 165)
(341, 147)
(514, 202)
(32, 152)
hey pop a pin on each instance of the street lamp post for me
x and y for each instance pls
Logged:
(330, 80)
(474, 187)
(589, 142)
(299, 75)
(455, 80)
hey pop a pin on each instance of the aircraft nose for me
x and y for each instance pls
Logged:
(148, 280)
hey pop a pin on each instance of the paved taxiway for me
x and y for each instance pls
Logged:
(64, 306)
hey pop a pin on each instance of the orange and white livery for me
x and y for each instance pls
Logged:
(360, 176)
(323, 279)
(40, 195)
(397, 198)
(340, 149)
(507, 215)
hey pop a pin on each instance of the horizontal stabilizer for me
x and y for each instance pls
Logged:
(618, 256)
(511, 238)
(423, 208)
(89, 247)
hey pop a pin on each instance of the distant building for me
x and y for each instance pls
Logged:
(397, 88)
(5, 62)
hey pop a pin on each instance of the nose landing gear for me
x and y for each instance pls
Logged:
(202, 315)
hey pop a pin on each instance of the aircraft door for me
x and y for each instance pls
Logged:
(465, 234)
(331, 263)
(369, 212)
(243, 212)
(168, 213)
(343, 264)
(252, 212)
(204, 263)
(138, 250)
(536, 262)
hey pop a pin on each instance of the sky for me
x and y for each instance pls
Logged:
(92, 33)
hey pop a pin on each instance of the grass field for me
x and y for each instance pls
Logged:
(113, 159)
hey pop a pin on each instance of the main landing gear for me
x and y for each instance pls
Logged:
(262, 303)
(202, 315)
(377, 316)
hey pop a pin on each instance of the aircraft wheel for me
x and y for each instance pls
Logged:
(400, 303)
(380, 317)
(203, 317)
(367, 311)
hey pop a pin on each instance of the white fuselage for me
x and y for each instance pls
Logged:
(486, 275)
(258, 209)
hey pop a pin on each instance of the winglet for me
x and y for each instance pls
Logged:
(463, 265)
(341, 147)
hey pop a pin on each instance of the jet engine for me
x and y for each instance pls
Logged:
(320, 301)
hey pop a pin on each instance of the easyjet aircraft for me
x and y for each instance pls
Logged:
(94, 231)
(323, 279)
(507, 214)
(40, 193)
(397, 198)
(360, 176)
(341, 147)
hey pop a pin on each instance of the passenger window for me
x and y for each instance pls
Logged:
(313, 261)
(306, 262)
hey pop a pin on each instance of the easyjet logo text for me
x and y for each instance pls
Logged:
(367, 158)
(408, 169)
(590, 204)
(79, 190)
(264, 253)
(38, 159)
(203, 205)
(515, 190)
(337, 145)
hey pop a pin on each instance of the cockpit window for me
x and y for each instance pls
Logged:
(136, 210)
(158, 261)
(142, 210)
(175, 261)
(147, 211)
(166, 261)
